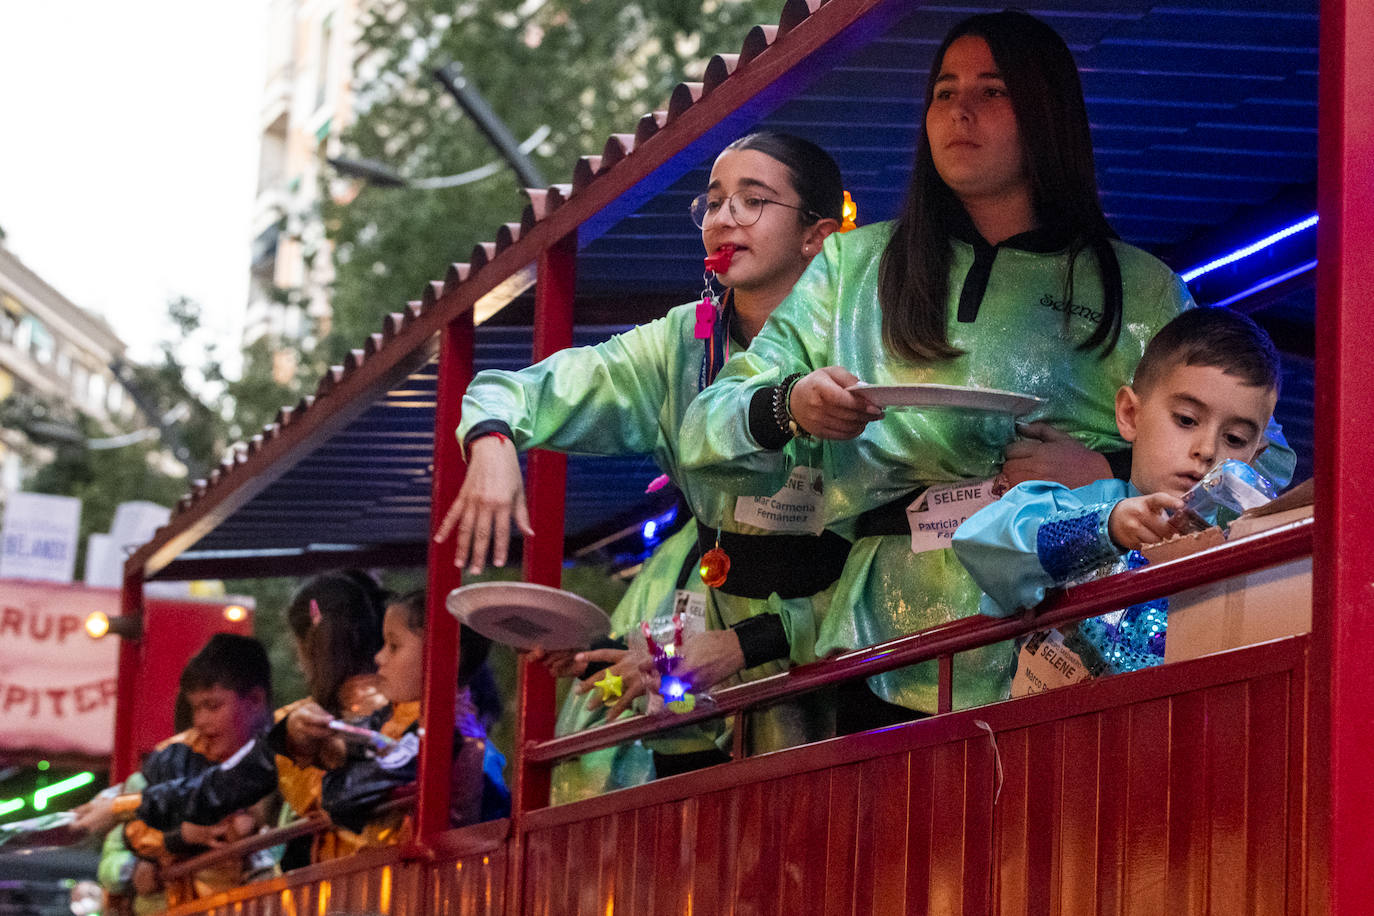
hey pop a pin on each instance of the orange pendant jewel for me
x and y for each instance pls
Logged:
(715, 566)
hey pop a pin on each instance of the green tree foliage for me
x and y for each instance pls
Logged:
(102, 478)
(270, 597)
(585, 68)
(199, 433)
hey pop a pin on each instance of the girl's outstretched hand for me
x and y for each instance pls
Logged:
(559, 662)
(626, 665)
(710, 657)
(493, 495)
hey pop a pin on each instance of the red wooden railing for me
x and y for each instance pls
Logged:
(1248, 555)
(942, 642)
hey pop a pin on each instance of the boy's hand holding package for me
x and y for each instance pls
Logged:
(1142, 520)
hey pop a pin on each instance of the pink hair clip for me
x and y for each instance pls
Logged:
(315, 614)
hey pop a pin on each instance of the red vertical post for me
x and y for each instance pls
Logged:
(546, 486)
(944, 685)
(124, 759)
(1341, 794)
(441, 629)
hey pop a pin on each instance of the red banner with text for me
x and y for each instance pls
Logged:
(57, 685)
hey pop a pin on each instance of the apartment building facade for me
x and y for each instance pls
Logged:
(306, 103)
(55, 363)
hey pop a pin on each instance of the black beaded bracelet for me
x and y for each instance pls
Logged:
(792, 425)
(782, 410)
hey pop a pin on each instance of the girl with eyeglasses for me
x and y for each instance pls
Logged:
(771, 201)
(1001, 272)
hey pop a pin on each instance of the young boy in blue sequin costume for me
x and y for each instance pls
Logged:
(1203, 393)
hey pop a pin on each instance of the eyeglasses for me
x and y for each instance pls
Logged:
(745, 208)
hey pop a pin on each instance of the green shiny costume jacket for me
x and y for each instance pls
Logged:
(649, 595)
(628, 395)
(1022, 339)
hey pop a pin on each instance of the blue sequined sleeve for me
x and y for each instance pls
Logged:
(1038, 536)
(1072, 544)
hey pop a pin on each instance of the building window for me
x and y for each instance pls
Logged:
(10, 313)
(40, 343)
(95, 392)
(322, 76)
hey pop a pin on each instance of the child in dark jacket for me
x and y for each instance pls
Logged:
(352, 792)
(336, 619)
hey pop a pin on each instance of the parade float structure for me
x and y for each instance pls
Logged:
(1227, 783)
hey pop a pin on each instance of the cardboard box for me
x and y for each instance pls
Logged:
(1243, 610)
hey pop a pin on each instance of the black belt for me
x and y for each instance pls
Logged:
(889, 518)
(792, 565)
(689, 563)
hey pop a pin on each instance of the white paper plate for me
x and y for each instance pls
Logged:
(528, 616)
(947, 396)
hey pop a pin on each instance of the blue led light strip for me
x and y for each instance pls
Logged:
(1265, 284)
(1250, 249)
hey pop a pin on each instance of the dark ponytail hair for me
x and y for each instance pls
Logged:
(342, 643)
(1052, 119)
(815, 176)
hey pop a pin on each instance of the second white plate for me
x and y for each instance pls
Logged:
(960, 396)
(528, 616)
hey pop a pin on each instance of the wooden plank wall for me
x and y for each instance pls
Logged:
(1173, 791)
(376, 882)
(1177, 790)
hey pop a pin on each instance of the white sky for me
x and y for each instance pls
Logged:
(128, 154)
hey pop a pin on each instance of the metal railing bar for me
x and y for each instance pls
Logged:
(310, 825)
(1228, 560)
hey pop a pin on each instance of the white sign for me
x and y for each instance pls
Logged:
(103, 563)
(40, 537)
(1045, 663)
(134, 525)
(57, 685)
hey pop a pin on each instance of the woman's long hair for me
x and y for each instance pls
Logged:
(1047, 99)
(341, 634)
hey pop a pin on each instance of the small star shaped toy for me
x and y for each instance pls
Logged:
(611, 686)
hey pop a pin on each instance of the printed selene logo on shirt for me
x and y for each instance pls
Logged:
(1075, 309)
(795, 509)
(938, 512)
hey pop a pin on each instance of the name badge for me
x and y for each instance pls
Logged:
(795, 509)
(1045, 663)
(939, 511)
(689, 604)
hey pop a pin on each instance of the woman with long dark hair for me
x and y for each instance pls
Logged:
(1000, 273)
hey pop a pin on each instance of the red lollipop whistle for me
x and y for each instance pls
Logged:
(718, 261)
